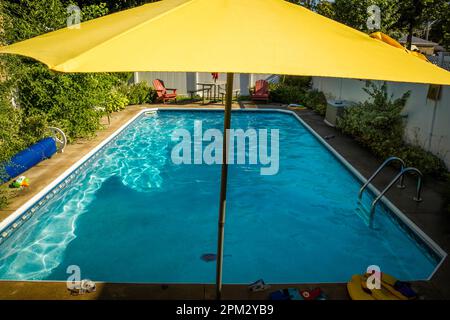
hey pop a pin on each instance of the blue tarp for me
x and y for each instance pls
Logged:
(28, 158)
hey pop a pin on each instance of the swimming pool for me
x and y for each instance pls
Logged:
(127, 213)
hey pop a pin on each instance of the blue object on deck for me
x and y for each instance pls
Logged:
(29, 157)
(286, 294)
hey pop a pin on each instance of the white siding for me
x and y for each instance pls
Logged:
(176, 80)
(184, 82)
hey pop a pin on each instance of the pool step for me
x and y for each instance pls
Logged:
(363, 212)
(401, 185)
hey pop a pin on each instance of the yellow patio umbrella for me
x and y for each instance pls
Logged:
(226, 36)
(242, 36)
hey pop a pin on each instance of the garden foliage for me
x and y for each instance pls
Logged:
(32, 97)
(378, 124)
(139, 93)
(298, 90)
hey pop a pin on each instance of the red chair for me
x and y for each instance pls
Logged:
(261, 91)
(161, 91)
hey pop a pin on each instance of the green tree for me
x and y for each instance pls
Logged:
(440, 31)
(94, 11)
(326, 9)
(397, 17)
(310, 4)
(415, 13)
(113, 6)
(24, 19)
(354, 13)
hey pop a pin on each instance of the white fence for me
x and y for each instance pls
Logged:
(442, 60)
(427, 121)
(185, 81)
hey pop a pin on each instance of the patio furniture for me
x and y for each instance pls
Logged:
(213, 87)
(203, 90)
(161, 91)
(261, 91)
(223, 94)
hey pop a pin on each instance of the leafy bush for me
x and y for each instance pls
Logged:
(139, 93)
(70, 101)
(73, 102)
(376, 123)
(28, 18)
(298, 90)
(424, 160)
(116, 101)
(286, 94)
(316, 101)
(93, 11)
(291, 89)
(15, 135)
(301, 83)
(10, 130)
(379, 125)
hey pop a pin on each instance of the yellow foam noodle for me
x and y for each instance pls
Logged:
(387, 291)
(355, 289)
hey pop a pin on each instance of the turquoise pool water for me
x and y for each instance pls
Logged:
(134, 216)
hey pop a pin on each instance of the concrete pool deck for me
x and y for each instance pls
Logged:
(428, 215)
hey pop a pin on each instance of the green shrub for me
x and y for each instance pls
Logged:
(93, 11)
(291, 89)
(16, 133)
(139, 93)
(73, 102)
(116, 101)
(302, 83)
(286, 94)
(425, 161)
(316, 101)
(378, 125)
(298, 90)
(69, 101)
(10, 130)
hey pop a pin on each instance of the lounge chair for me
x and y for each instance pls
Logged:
(161, 91)
(261, 91)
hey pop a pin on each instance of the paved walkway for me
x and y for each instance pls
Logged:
(428, 215)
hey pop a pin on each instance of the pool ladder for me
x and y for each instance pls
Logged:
(400, 176)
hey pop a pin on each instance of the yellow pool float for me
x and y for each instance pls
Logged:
(358, 290)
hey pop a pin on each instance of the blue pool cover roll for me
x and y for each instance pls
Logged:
(29, 157)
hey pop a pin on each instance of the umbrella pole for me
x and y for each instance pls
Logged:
(223, 184)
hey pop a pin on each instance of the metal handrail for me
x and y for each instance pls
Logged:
(61, 143)
(417, 198)
(385, 163)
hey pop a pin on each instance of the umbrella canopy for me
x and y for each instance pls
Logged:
(242, 36)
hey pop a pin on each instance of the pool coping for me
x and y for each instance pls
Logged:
(8, 224)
